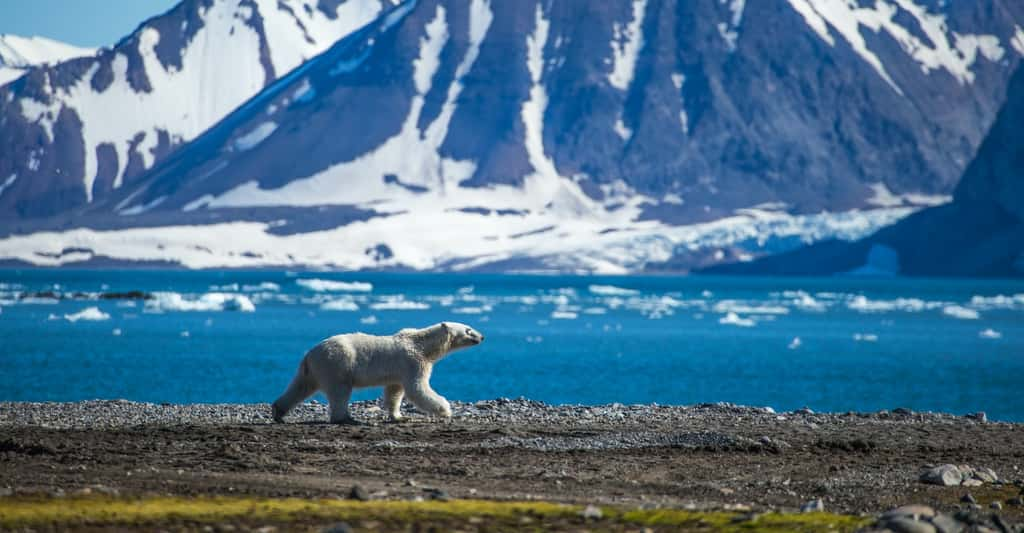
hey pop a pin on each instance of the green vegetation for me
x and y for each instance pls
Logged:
(93, 511)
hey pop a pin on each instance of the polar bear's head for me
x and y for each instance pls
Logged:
(461, 336)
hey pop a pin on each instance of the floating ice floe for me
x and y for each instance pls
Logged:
(804, 301)
(998, 301)
(342, 304)
(962, 313)
(399, 303)
(564, 315)
(89, 313)
(865, 337)
(735, 306)
(212, 301)
(368, 320)
(326, 285)
(795, 343)
(731, 318)
(268, 286)
(34, 300)
(116, 332)
(990, 333)
(469, 310)
(595, 311)
(611, 290)
(862, 304)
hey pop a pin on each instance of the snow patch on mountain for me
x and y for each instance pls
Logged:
(943, 48)
(7, 183)
(883, 197)
(19, 53)
(1017, 41)
(730, 30)
(256, 136)
(626, 43)
(572, 245)
(317, 30)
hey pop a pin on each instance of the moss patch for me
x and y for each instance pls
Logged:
(86, 512)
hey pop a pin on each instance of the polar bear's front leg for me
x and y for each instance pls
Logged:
(425, 398)
(337, 397)
(393, 401)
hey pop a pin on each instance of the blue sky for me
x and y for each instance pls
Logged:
(78, 22)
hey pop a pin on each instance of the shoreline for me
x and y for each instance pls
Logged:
(709, 458)
(115, 413)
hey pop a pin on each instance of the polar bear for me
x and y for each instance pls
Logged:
(401, 363)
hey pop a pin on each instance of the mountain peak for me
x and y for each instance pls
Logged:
(18, 53)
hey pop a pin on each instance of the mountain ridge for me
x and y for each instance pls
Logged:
(636, 127)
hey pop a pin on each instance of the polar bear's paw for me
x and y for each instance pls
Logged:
(348, 421)
(276, 413)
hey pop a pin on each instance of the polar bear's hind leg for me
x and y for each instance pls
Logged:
(338, 396)
(303, 386)
(393, 401)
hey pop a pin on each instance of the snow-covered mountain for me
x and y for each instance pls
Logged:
(17, 54)
(72, 132)
(567, 135)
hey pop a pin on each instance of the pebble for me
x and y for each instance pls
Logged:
(591, 512)
(904, 524)
(947, 524)
(814, 506)
(437, 494)
(946, 475)
(1017, 501)
(340, 527)
(996, 505)
(968, 498)
(986, 475)
(358, 493)
(914, 512)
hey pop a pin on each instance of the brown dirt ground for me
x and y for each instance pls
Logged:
(858, 464)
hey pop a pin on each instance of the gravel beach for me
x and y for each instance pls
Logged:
(708, 456)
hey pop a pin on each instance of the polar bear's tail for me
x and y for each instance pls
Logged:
(303, 385)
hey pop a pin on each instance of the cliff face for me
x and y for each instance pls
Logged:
(980, 233)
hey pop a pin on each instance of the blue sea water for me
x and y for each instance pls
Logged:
(832, 344)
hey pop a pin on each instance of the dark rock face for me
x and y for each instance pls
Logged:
(981, 233)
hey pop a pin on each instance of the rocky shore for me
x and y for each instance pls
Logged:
(959, 473)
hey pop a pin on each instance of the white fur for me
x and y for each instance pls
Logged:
(401, 363)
